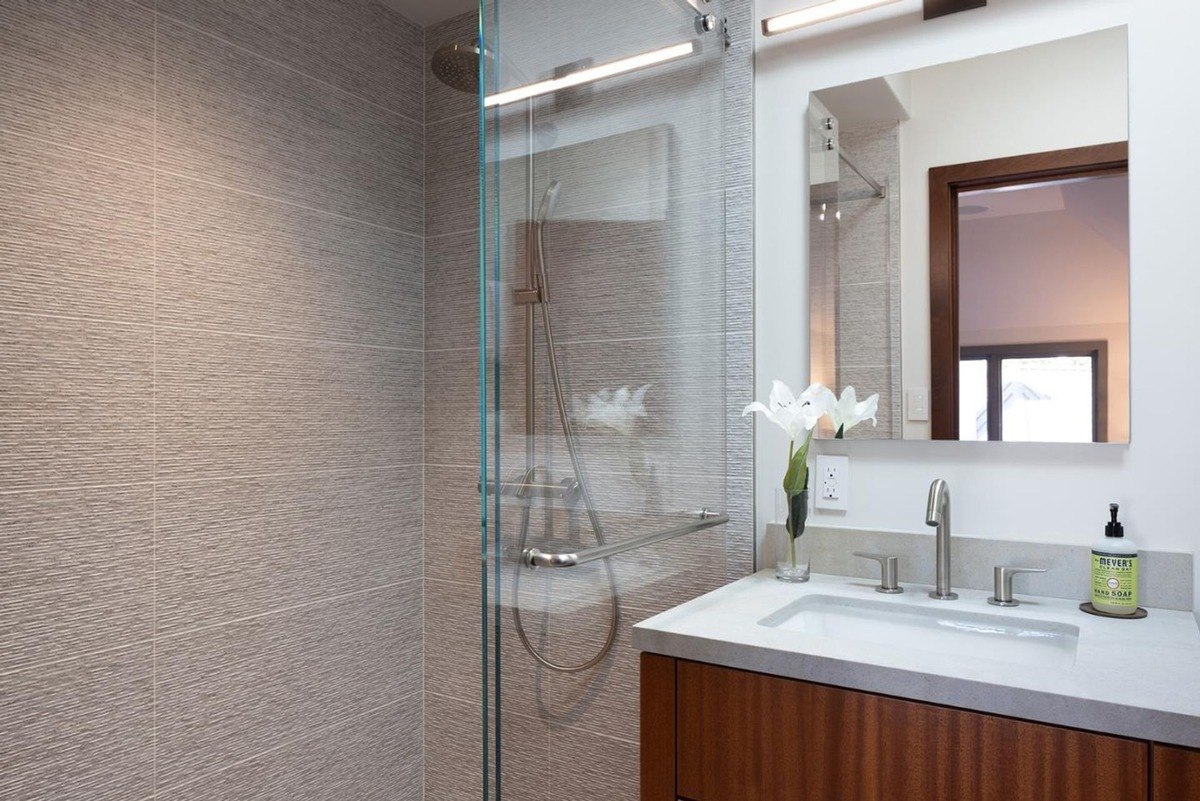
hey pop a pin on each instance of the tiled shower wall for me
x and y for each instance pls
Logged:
(211, 400)
(592, 722)
(866, 264)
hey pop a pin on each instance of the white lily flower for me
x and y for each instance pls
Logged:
(796, 416)
(619, 410)
(847, 412)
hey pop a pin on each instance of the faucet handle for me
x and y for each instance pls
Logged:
(1002, 577)
(887, 564)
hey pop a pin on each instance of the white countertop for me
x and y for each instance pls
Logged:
(1133, 678)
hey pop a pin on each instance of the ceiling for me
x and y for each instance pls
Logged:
(426, 12)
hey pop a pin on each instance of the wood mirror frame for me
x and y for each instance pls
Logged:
(945, 183)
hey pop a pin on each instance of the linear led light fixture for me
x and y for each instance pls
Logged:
(821, 12)
(590, 74)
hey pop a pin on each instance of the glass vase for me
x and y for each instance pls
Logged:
(795, 563)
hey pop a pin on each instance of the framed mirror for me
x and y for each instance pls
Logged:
(969, 245)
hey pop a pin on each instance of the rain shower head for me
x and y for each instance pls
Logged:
(549, 201)
(457, 66)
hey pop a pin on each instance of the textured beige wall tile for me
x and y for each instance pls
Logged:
(452, 176)
(230, 692)
(610, 773)
(453, 748)
(229, 117)
(453, 639)
(77, 568)
(80, 73)
(452, 291)
(363, 48)
(80, 729)
(238, 263)
(76, 233)
(373, 757)
(76, 402)
(232, 548)
(236, 405)
(452, 535)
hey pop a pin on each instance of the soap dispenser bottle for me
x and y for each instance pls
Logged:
(1114, 569)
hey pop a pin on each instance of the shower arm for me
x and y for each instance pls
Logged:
(705, 518)
(880, 190)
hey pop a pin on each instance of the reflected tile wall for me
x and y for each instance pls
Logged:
(866, 289)
(642, 292)
(211, 344)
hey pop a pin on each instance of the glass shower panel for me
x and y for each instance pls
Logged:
(603, 356)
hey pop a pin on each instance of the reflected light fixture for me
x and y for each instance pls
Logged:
(821, 12)
(590, 74)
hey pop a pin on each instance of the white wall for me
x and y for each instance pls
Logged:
(1048, 493)
(1049, 97)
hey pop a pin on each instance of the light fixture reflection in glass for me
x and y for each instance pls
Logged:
(590, 74)
(820, 12)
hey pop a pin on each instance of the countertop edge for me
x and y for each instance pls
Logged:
(1101, 717)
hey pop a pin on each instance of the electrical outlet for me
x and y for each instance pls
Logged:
(833, 483)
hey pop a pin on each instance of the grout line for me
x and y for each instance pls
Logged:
(286, 338)
(76, 149)
(573, 216)
(154, 325)
(4, 312)
(174, 326)
(196, 179)
(154, 425)
(75, 657)
(284, 201)
(76, 488)
(282, 65)
(357, 469)
(518, 713)
(291, 741)
(328, 599)
(317, 471)
(473, 113)
(600, 472)
(696, 336)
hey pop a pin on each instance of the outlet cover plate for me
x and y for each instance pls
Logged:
(832, 483)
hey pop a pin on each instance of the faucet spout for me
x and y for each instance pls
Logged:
(937, 513)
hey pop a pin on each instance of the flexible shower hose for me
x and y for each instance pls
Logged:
(584, 494)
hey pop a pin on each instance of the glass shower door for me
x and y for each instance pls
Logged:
(602, 359)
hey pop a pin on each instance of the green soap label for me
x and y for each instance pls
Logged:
(1114, 579)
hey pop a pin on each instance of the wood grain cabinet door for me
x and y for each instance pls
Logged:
(748, 737)
(1176, 775)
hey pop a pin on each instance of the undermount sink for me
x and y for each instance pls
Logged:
(931, 628)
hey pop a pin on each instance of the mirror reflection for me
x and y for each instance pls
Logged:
(969, 245)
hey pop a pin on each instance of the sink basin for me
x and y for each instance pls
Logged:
(933, 628)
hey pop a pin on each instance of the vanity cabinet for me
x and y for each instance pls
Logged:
(1176, 774)
(716, 734)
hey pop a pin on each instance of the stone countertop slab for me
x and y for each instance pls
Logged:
(1130, 678)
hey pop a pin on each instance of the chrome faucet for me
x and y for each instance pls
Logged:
(937, 513)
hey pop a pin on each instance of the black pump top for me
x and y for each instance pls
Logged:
(1113, 528)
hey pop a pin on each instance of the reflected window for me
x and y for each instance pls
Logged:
(1044, 392)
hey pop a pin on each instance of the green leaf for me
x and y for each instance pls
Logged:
(796, 478)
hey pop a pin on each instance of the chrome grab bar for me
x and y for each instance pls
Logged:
(705, 518)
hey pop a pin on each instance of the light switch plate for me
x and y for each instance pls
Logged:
(832, 483)
(918, 405)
